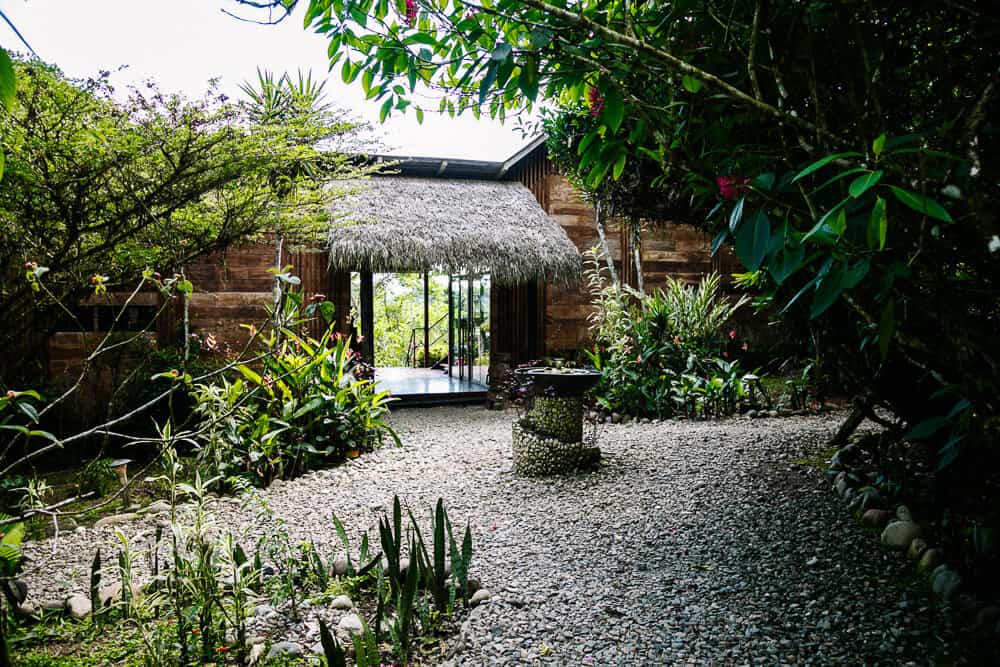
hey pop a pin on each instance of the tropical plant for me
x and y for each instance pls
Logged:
(300, 408)
(99, 187)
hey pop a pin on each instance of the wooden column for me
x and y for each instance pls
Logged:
(427, 322)
(367, 317)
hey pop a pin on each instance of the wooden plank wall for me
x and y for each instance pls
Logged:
(234, 287)
(668, 249)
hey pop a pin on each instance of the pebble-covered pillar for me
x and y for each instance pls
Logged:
(549, 439)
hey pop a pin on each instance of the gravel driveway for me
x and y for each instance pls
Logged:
(695, 543)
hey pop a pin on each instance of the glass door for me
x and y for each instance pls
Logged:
(469, 331)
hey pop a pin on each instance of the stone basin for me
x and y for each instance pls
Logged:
(561, 381)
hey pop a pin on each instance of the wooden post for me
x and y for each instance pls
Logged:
(427, 321)
(451, 327)
(367, 317)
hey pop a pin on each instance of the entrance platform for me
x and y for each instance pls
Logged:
(427, 386)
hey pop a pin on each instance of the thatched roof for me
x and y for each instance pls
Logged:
(391, 224)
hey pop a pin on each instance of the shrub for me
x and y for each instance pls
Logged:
(658, 352)
(300, 409)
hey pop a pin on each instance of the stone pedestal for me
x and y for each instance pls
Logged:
(549, 439)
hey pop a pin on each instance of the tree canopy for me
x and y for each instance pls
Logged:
(846, 150)
(99, 187)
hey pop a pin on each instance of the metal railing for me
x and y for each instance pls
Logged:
(415, 345)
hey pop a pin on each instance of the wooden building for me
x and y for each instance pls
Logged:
(528, 251)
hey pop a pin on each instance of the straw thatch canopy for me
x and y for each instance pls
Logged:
(392, 224)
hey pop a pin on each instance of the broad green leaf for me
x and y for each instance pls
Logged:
(921, 204)
(501, 52)
(585, 143)
(420, 114)
(614, 110)
(926, 428)
(879, 144)
(619, 166)
(785, 262)
(829, 289)
(719, 239)
(825, 219)
(753, 239)
(877, 225)
(8, 81)
(540, 37)
(487, 82)
(736, 215)
(528, 80)
(855, 274)
(691, 84)
(862, 184)
(822, 162)
(383, 113)
(764, 181)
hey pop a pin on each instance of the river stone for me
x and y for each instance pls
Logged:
(480, 596)
(157, 507)
(351, 623)
(289, 649)
(917, 549)
(899, 534)
(115, 520)
(78, 606)
(875, 518)
(341, 602)
(946, 582)
(340, 565)
(931, 559)
(903, 513)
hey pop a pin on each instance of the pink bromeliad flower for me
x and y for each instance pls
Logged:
(731, 186)
(596, 102)
(411, 11)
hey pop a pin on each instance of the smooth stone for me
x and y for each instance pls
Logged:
(291, 649)
(899, 534)
(875, 518)
(946, 582)
(107, 594)
(479, 597)
(616, 418)
(116, 520)
(27, 610)
(917, 549)
(157, 507)
(903, 513)
(341, 602)
(78, 606)
(931, 559)
(340, 565)
(351, 623)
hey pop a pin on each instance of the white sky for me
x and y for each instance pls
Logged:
(181, 44)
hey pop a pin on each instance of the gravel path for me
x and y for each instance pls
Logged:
(696, 543)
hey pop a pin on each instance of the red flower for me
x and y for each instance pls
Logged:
(411, 11)
(731, 186)
(596, 102)
(732, 334)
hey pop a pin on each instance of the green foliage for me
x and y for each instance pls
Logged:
(856, 174)
(302, 408)
(103, 188)
(658, 353)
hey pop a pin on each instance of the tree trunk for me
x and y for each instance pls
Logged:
(599, 221)
(635, 228)
(862, 406)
